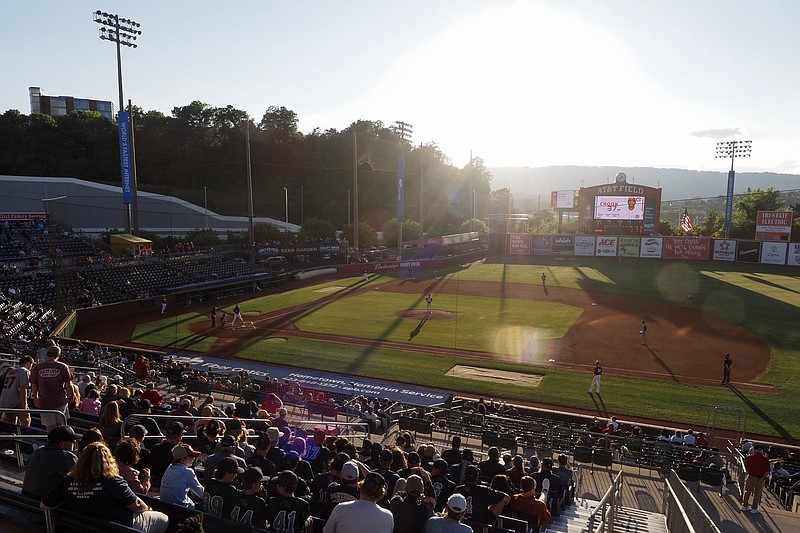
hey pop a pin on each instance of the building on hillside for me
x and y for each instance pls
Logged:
(58, 106)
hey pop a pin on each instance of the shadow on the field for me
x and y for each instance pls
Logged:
(602, 410)
(417, 329)
(763, 416)
(769, 283)
(662, 364)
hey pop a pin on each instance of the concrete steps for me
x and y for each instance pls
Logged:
(575, 519)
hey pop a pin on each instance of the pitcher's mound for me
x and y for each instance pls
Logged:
(420, 314)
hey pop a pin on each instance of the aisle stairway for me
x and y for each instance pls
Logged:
(575, 519)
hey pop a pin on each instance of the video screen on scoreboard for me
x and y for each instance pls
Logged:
(619, 207)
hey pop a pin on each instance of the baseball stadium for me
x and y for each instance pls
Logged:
(491, 343)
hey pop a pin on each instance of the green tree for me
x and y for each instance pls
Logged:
(478, 225)
(315, 229)
(665, 228)
(712, 226)
(410, 231)
(367, 236)
(203, 237)
(543, 222)
(749, 203)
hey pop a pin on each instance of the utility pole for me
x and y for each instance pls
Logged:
(355, 191)
(732, 150)
(403, 131)
(123, 32)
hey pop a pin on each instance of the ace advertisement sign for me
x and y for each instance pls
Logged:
(606, 247)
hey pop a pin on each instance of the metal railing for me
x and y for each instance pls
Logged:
(684, 513)
(19, 435)
(603, 517)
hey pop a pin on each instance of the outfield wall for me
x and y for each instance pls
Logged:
(671, 247)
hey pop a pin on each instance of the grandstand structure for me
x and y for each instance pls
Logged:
(631, 480)
(94, 208)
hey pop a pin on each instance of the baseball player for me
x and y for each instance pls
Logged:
(429, 301)
(643, 332)
(237, 314)
(596, 374)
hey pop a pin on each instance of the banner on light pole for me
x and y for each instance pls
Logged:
(125, 156)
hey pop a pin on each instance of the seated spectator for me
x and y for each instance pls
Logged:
(220, 493)
(250, 509)
(50, 463)
(127, 454)
(285, 504)
(450, 521)
(411, 508)
(94, 488)
(363, 515)
(110, 424)
(492, 465)
(527, 502)
(179, 480)
(150, 393)
(225, 450)
(567, 477)
(486, 502)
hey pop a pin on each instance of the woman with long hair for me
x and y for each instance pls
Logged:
(110, 424)
(127, 454)
(95, 488)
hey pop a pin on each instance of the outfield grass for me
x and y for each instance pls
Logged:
(764, 300)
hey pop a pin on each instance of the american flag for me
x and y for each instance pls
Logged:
(686, 221)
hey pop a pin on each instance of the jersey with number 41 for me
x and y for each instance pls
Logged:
(287, 515)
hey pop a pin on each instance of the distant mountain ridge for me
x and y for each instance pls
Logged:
(677, 184)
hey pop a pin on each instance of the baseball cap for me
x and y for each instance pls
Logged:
(375, 478)
(472, 472)
(441, 464)
(339, 460)
(234, 426)
(186, 402)
(181, 451)
(299, 445)
(91, 374)
(274, 434)
(349, 471)
(457, 503)
(401, 439)
(230, 406)
(413, 459)
(253, 474)
(292, 457)
(228, 441)
(414, 485)
(174, 428)
(61, 434)
(286, 479)
(533, 460)
(386, 455)
(229, 466)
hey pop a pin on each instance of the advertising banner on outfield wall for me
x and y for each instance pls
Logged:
(773, 225)
(688, 248)
(541, 245)
(344, 385)
(793, 254)
(519, 243)
(563, 244)
(748, 251)
(584, 245)
(774, 253)
(651, 247)
(628, 246)
(606, 246)
(724, 250)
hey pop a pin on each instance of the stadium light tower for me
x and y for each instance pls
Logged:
(732, 150)
(123, 32)
(403, 131)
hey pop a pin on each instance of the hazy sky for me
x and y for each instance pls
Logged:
(520, 83)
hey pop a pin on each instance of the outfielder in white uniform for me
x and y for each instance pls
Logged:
(598, 372)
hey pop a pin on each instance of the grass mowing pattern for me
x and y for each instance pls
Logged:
(763, 299)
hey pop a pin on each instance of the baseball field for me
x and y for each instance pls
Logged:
(497, 315)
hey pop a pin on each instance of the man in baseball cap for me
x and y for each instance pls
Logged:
(250, 503)
(286, 502)
(451, 520)
(221, 489)
(50, 463)
(225, 450)
(161, 454)
(363, 515)
(347, 489)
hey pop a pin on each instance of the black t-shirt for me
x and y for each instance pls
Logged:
(452, 456)
(266, 466)
(410, 514)
(340, 493)
(219, 498)
(555, 483)
(108, 499)
(391, 478)
(479, 498)
(160, 459)
(442, 489)
(320, 484)
(249, 510)
(287, 515)
(490, 468)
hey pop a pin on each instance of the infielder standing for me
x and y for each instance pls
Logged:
(643, 332)
(596, 374)
(429, 301)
